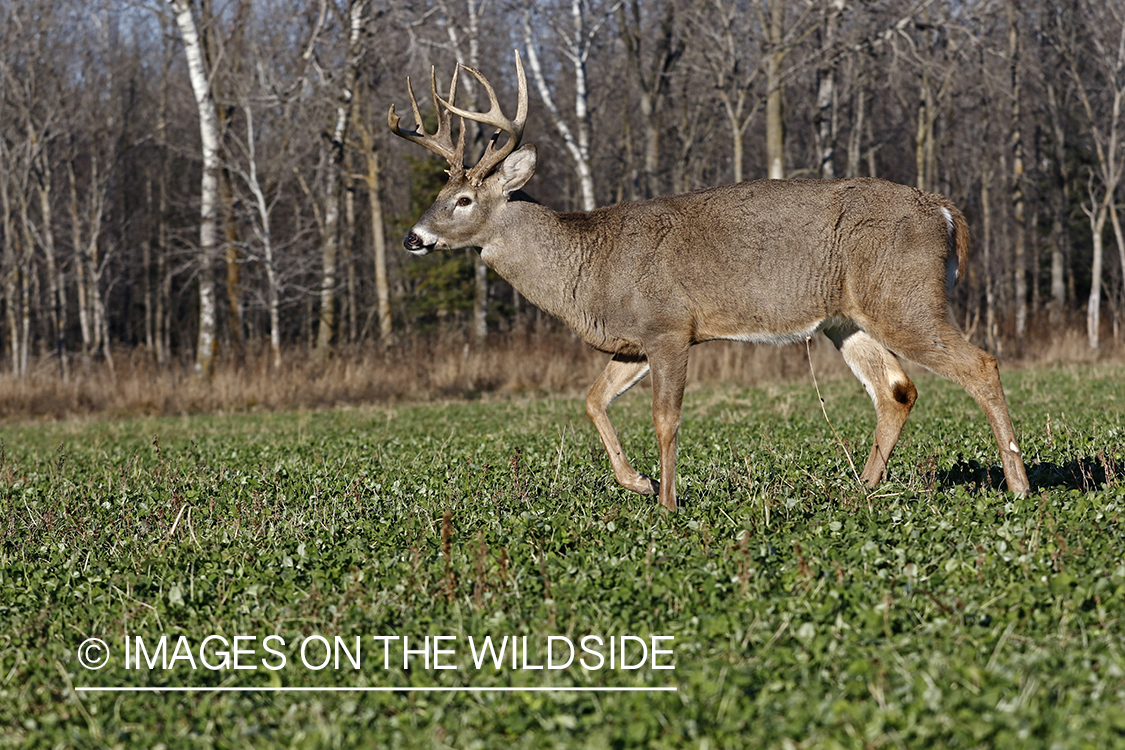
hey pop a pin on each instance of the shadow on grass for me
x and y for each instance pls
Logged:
(1086, 474)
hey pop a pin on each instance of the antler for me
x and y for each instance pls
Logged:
(441, 141)
(495, 118)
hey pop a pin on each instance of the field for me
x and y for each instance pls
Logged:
(798, 610)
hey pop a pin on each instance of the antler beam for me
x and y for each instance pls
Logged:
(494, 117)
(441, 141)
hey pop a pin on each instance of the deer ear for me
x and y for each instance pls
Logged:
(517, 169)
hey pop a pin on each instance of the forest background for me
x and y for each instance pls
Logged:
(200, 201)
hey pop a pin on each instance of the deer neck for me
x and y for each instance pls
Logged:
(539, 255)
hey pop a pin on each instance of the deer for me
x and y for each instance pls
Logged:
(863, 260)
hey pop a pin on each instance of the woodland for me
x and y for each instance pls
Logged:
(203, 183)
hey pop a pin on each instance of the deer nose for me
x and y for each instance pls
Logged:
(412, 242)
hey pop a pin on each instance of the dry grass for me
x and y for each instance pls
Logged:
(421, 370)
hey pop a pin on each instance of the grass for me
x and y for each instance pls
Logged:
(939, 611)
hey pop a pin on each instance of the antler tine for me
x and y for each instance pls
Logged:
(441, 141)
(495, 117)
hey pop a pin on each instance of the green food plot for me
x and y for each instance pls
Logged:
(388, 543)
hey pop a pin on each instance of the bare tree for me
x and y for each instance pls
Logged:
(372, 180)
(1060, 194)
(1019, 214)
(575, 40)
(650, 55)
(775, 122)
(733, 73)
(464, 40)
(1104, 27)
(333, 170)
(207, 345)
(826, 94)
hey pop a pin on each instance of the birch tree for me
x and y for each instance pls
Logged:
(206, 348)
(1104, 26)
(575, 39)
(337, 140)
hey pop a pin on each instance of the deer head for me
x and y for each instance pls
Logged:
(466, 207)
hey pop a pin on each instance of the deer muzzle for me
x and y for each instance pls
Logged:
(415, 244)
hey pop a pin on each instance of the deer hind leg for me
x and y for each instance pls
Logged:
(941, 349)
(620, 375)
(890, 390)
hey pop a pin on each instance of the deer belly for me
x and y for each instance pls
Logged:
(777, 334)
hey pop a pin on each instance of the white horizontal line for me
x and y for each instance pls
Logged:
(268, 689)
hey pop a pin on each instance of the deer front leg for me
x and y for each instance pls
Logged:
(620, 375)
(669, 373)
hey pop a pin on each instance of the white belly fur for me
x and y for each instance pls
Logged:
(786, 337)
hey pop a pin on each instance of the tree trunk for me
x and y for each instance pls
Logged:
(775, 122)
(577, 141)
(232, 260)
(826, 94)
(991, 337)
(80, 260)
(1094, 303)
(923, 134)
(326, 320)
(855, 138)
(1059, 235)
(378, 239)
(651, 81)
(1018, 211)
(330, 238)
(8, 269)
(264, 232)
(206, 347)
(146, 271)
(349, 260)
(56, 281)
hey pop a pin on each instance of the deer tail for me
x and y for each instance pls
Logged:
(958, 240)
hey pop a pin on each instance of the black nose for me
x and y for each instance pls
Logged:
(412, 242)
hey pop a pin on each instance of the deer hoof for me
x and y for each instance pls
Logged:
(641, 484)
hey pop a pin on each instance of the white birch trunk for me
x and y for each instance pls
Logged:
(209, 187)
(1094, 303)
(56, 281)
(262, 228)
(577, 141)
(775, 120)
(330, 240)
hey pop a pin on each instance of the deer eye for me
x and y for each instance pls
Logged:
(464, 200)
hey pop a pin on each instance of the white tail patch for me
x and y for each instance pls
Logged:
(948, 219)
(951, 259)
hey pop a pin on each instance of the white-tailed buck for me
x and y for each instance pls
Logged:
(863, 260)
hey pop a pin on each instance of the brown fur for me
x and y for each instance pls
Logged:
(864, 260)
